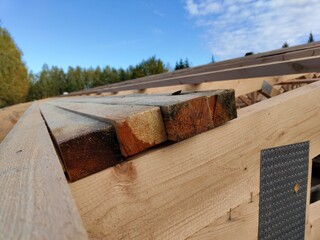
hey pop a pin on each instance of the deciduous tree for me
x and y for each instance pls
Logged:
(14, 83)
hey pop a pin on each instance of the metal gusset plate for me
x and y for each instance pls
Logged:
(283, 192)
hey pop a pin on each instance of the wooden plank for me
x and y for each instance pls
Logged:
(86, 145)
(300, 81)
(242, 223)
(314, 219)
(241, 86)
(244, 62)
(245, 100)
(268, 57)
(184, 115)
(303, 65)
(268, 90)
(137, 127)
(36, 202)
(176, 191)
(239, 223)
(9, 116)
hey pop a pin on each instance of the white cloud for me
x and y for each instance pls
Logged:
(204, 7)
(232, 28)
(158, 13)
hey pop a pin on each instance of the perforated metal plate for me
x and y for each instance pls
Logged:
(283, 189)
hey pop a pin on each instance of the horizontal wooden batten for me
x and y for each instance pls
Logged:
(241, 86)
(36, 202)
(303, 65)
(302, 51)
(178, 190)
(185, 114)
(86, 145)
(137, 127)
(216, 67)
(300, 81)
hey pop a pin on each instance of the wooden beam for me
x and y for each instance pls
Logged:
(9, 116)
(268, 57)
(295, 66)
(268, 90)
(300, 81)
(86, 145)
(36, 202)
(241, 86)
(314, 219)
(186, 114)
(138, 127)
(176, 191)
(260, 58)
(245, 100)
(240, 223)
(243, 222)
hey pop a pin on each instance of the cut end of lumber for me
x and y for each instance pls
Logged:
(188, 118)
(139, 132)
(225, 107)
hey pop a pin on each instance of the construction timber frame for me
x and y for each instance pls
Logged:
(204, 187)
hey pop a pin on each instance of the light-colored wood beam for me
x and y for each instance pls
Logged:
(295, 66)
(268, 90)
(36, 202)
(279, 55)
(174, 192)
(314, 219)
(9, 116)
(241, 86)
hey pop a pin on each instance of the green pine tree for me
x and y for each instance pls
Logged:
(285, 45)
(212, 59)
(310, 38)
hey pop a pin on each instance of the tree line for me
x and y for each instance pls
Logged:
(54, 81)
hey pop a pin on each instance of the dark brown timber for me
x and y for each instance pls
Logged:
(86, 145)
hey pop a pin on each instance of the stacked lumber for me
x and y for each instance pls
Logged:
(92, 133)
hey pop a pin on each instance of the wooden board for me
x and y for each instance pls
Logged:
(301, 51)
(300, 81)
(241, 86)
(239, 223)
(9, 116)
(137, 127)
(242, 223)
(86, 145)
(295, 66)
(268, 90)
(186, 114)
(36, 202)
(219, 66)
(314, 219)
(174, 192)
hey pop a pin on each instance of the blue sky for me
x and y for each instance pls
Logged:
(122, 33)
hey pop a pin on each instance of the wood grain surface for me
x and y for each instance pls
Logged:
(137, 127)
(36, 202)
